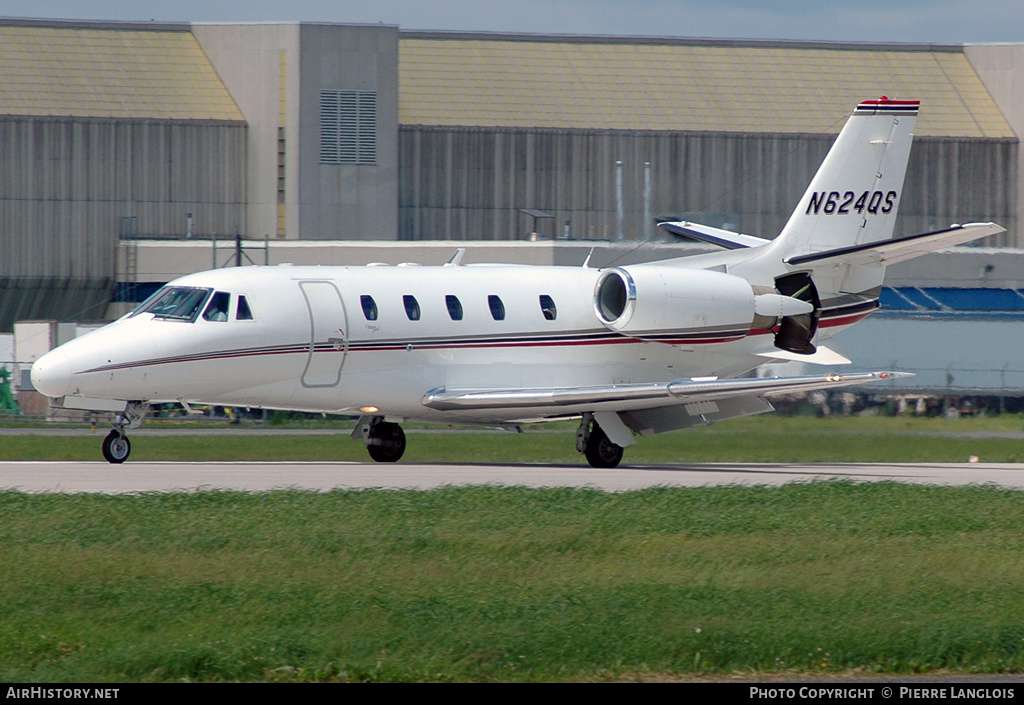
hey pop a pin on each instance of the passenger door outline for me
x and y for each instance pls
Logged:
(328, 341)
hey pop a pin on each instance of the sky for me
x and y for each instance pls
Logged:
(915, 21)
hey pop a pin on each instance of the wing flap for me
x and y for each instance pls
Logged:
(627, 397)
(648, 422)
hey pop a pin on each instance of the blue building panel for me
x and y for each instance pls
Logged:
(951, 302)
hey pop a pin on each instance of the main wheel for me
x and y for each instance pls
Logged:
(601, 452)
(116, 448)
(392, 442)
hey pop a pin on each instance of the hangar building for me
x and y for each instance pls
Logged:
(125, 146)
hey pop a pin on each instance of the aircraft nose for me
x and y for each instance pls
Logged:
(51, 374)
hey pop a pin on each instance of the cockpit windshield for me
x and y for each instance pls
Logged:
(182, 303)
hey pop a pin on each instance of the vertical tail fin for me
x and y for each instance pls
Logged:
(855, 194)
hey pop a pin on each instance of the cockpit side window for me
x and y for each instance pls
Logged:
(217, 309)
(243, 312)
(182, 303)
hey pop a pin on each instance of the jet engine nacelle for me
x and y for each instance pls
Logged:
(654, 302)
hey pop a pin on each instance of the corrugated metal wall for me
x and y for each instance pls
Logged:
(962, 181)
(468, 183)
(66, 184)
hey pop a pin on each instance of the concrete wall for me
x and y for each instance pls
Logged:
(161, 261)
(952, 356)
(250, 59)
(275, 72)
(348, 201)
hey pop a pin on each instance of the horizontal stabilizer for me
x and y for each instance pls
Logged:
(625, 397)
(886, 252)
(714, 236)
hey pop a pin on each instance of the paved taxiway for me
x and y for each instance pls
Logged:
(57, 476)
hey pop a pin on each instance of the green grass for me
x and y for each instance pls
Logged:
(768, 438)
(504, 584)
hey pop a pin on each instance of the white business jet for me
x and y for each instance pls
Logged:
(630, 350)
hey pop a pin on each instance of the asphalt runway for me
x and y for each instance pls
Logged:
(98, 476)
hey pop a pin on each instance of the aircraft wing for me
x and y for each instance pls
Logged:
(714, 236)
(900, 249)
(629, 397)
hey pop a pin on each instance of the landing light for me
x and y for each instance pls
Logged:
(369, 409)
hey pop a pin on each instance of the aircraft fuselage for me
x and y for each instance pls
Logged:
(337, 339)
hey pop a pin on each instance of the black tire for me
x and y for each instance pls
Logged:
(601, 452)
(116, 448)
(392, 442)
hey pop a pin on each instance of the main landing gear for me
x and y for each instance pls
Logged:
(594, 443)
(116, 446)
(385, 441)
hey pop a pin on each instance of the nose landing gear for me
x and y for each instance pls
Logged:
(116, 446)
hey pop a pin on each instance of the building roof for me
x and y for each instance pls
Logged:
(62, 70)
(642, 84)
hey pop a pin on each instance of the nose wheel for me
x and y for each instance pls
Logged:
(116, 447)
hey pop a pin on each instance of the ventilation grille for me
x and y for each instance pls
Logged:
(348, 127)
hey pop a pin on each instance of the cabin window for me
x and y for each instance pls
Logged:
(454, 307)
(369, 307)
(217, 309)
(547, 307)
(242, 311)
(412, 307)
(181, 303)
(497, 308)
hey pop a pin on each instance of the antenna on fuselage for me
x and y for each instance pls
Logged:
(586, 262)
(456, 259)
